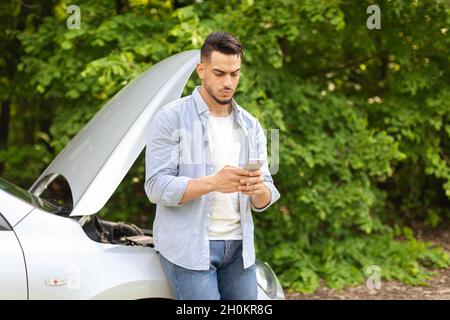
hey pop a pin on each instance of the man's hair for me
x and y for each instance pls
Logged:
(223, 42)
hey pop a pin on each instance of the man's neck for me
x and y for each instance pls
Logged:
(216, 109)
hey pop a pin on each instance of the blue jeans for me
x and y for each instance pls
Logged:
(226, 278)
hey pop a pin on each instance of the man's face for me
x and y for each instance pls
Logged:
(220, 76)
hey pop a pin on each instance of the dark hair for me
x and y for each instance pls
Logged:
(223, 42)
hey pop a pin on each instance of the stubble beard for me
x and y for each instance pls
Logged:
(219, 101)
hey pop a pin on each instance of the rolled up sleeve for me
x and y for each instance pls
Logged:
(162, 185)
(261, 148)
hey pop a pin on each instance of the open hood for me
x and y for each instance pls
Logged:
(96, 160)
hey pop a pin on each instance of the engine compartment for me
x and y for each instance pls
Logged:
(55, 189)
(120, 233)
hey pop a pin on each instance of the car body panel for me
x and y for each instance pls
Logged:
(13, 276)
(63, 263)
(13, 208)
(96, 160)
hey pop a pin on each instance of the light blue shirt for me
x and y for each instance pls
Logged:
(177, 151)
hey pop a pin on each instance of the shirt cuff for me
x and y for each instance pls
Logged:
(175, 191)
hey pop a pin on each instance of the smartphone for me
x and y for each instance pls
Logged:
(254, 164)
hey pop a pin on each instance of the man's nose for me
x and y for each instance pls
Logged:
(227, 83)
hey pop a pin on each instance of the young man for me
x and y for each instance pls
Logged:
(196, 149)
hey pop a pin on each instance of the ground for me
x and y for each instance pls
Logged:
(438, 289)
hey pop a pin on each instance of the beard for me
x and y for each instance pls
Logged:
(219, 101)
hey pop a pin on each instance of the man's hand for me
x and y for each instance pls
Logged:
(231, 179)
(254, 186)
(227, 180)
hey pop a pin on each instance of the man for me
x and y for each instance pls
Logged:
(196, 148)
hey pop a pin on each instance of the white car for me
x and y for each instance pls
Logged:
(52, 243)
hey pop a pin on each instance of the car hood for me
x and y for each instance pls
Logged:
(96, 160)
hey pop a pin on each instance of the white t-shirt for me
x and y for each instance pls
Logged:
(225, 223)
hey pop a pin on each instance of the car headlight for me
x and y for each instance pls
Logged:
(266, 279)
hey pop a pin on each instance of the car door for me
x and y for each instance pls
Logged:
(13, 278)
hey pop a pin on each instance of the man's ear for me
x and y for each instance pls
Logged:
(200, 68)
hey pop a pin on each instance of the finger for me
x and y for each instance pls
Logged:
(253, 192)
(248, 188)
(258, 188)
(237, 178)
(251, 180)
(241, 172)
(242, 188)
(255, 173)
(236, 185)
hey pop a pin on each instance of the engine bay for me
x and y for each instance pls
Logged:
(120, 233)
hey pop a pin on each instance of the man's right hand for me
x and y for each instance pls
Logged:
(227, 180)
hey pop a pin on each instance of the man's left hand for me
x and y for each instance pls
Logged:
(253, 185)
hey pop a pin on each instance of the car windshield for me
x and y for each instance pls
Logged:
(28, 197)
